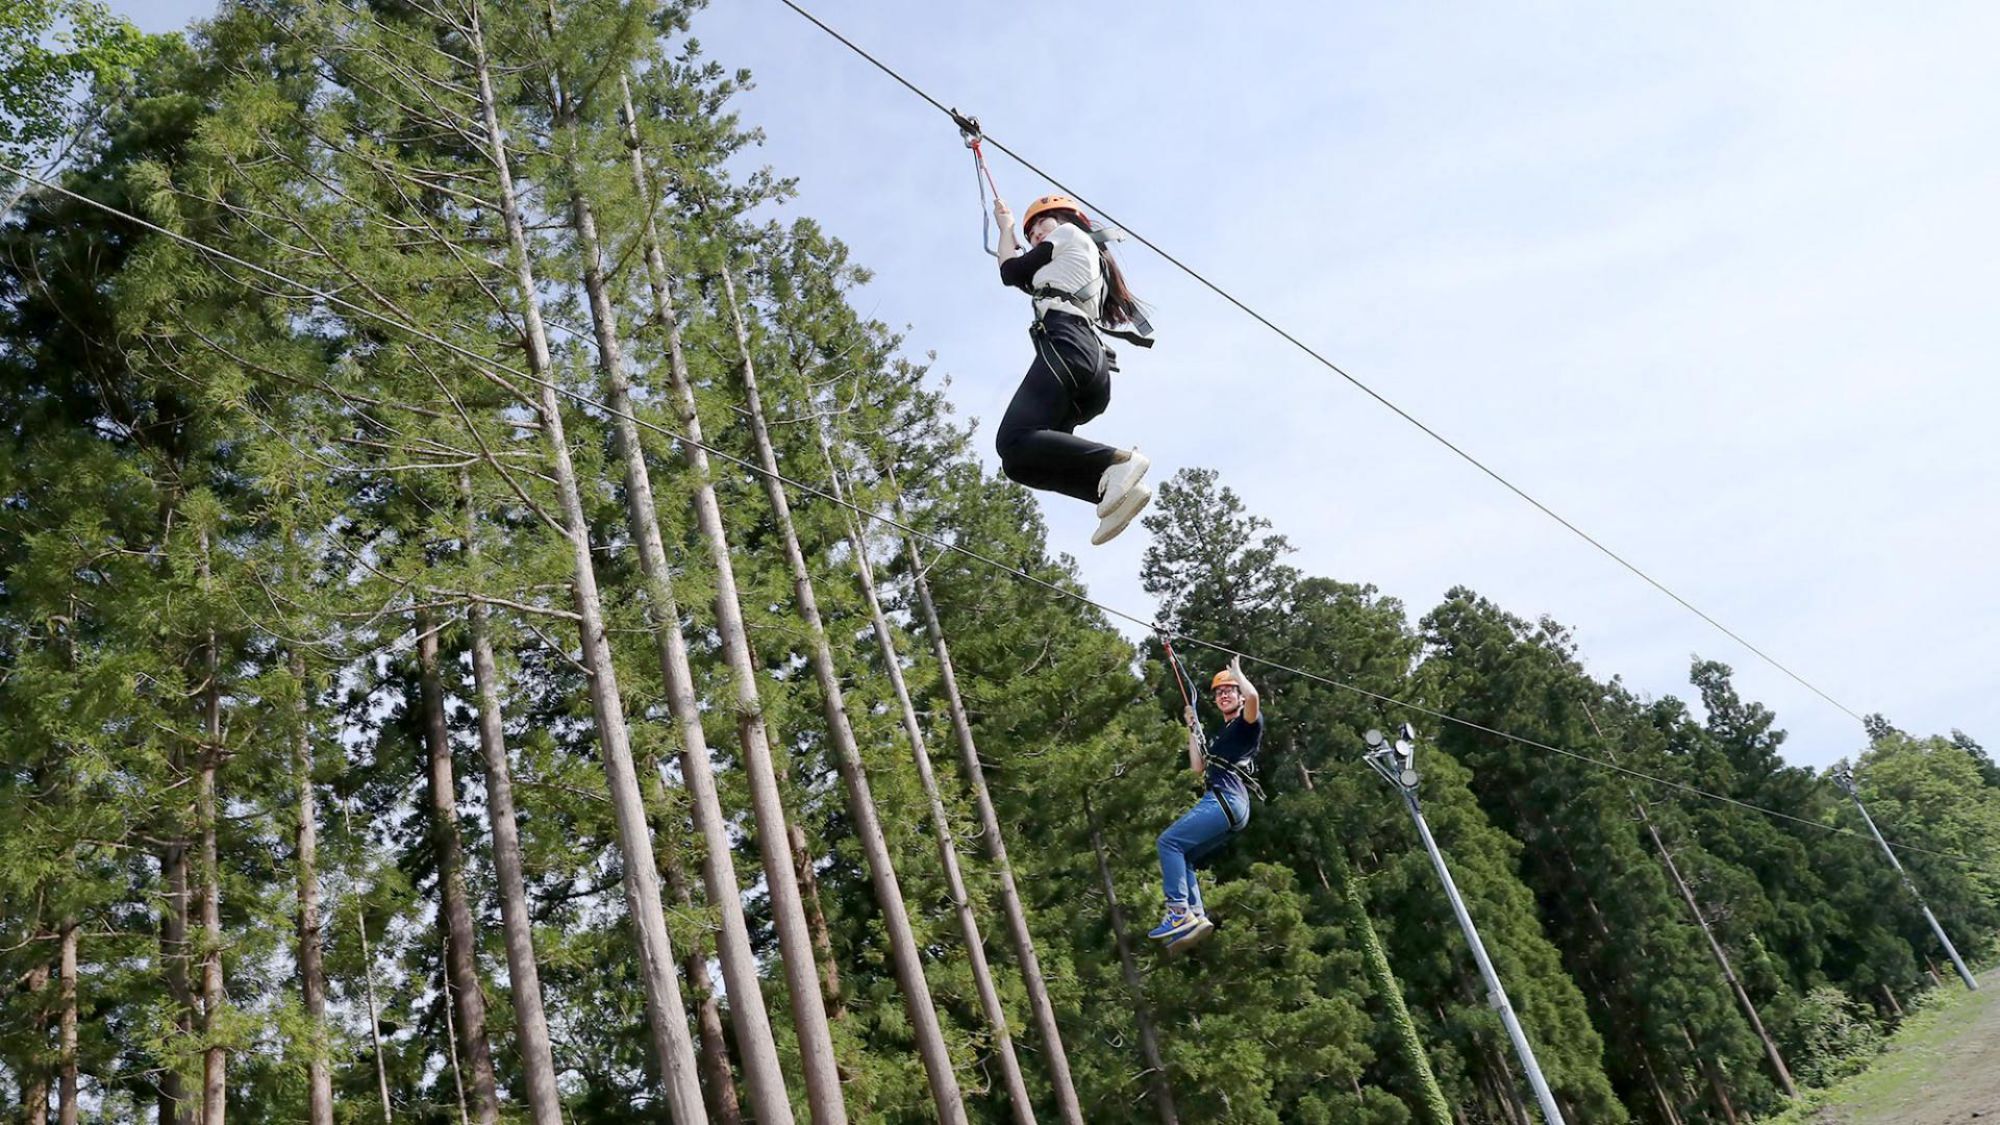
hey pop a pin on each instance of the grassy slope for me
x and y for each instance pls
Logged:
(1907, 1072)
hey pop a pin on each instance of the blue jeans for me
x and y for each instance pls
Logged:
(1193, 840)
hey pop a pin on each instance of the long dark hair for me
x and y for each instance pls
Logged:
(1120, 306)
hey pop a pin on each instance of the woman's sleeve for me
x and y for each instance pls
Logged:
(1019, 271)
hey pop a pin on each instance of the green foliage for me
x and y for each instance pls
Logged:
(1835, 1037)
(48, 50)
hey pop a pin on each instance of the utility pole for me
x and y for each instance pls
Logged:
(1395, 762)
(1844, 778)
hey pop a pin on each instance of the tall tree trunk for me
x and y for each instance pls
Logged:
(671, 1043)
(718, 1082)
(1510, 1085)
(1135, 985)
(374, 1019)
(908, 962)
(1431, 1103)
(1669, 1115)
(312, 965)
(1714, 1075)
(215, 1058)
(754, 1040)
(892, 663)
(809, 1013)
(451, 1040)
(822, 937)
(67, 1043)
(175, 956)
(1771, 1052)
(524, 980)
(996, 844)
(35, 1083)
(461, 941)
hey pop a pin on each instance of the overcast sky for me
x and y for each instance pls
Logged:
(1714, 281)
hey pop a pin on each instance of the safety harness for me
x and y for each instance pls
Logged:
(1139, 333)
(1244, 772)
(1141, 330)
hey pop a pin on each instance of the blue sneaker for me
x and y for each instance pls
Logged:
(1176, 923)
(1194, 936)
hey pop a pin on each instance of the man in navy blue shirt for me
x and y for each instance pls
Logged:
(1224, 807)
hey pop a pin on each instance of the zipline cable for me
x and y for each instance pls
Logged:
(1371, 392)
(499, 371)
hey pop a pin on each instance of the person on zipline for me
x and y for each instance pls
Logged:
(1078, 292)
(1228, 767)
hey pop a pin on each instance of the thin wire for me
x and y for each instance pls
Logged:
(1371, 392)
(494, 368)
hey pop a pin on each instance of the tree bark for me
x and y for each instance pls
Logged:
(215, 1058)
(451, 1041)
(461, 941)
(1714, 1075)
(175, 955)
(907, 961)
(892, 664)
(35, 1083)
(1509, 1086)
(374, 1021)
(718, 1082)
(67, 1059)
(996, 844)
(517, 924)
(671, 1043)
(822, 937)
(1135, 986)
(311, 944)
(1771, 1052)
(1669, 1115)
(809, 1015)
(755, 1043)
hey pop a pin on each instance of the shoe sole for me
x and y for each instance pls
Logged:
(1194, 937)
(1108, 503)
(1121, 517)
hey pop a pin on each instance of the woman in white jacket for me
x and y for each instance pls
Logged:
(1078, 293)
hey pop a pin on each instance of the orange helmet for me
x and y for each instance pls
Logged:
(1049, 203)
(1222, 677)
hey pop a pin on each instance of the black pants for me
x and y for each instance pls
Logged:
(1068, 385)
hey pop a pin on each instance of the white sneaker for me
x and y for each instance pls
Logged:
(1121, 514)
(1119, 479)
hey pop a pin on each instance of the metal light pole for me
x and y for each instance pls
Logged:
(1394, 763)
(1844, 778)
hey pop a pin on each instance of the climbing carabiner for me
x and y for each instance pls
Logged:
(982, 177)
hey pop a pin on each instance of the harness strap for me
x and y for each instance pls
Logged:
(1229, 814)
(1140, 334)
(1246, 776)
